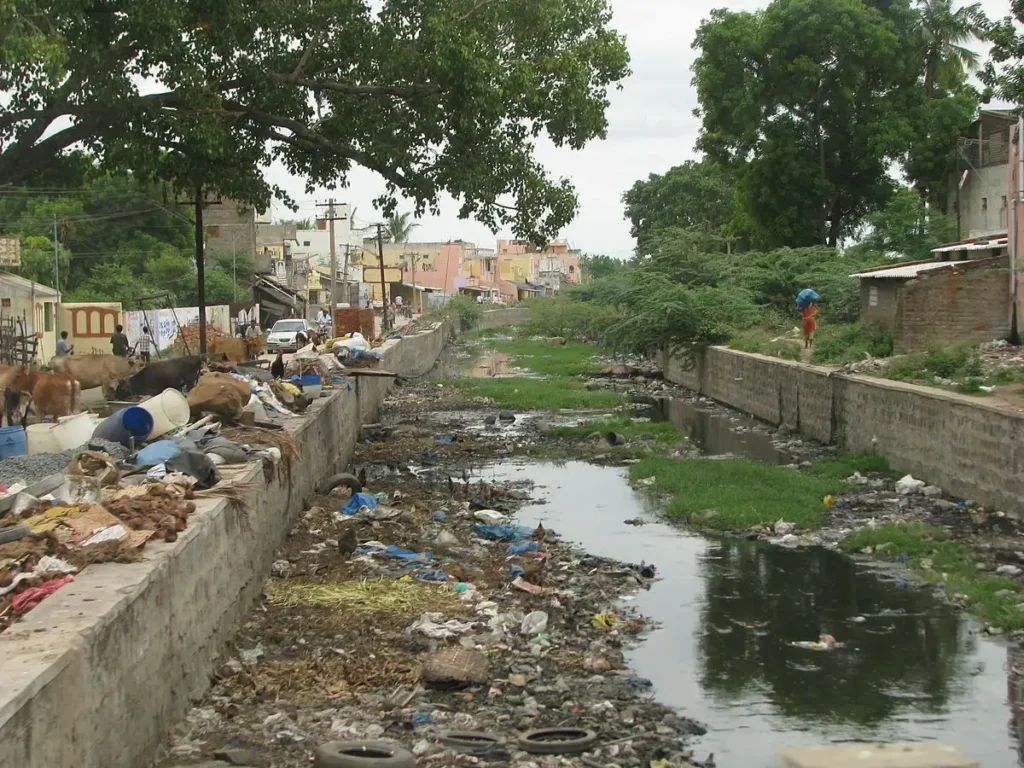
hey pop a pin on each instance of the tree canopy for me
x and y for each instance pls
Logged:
(434, 95)
(399, 227)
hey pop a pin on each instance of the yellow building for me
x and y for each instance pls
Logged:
(519, 267)
(33, 307)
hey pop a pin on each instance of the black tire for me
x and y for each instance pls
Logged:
(14, 533)
(361, 754)
(557, 741)
(470, 742)
(343, 478)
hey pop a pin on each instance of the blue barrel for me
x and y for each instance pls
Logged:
(12, 442)
(122, 426)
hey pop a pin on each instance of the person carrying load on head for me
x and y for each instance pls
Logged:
(807, 302)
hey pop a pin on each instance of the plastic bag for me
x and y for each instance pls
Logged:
(534, 623)
(506, 532)
(357, 501)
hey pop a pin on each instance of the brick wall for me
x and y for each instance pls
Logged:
(965, 304)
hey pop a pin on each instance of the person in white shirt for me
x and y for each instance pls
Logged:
(253, 331)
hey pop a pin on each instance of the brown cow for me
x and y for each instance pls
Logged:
(54, 394)
(97, 370)
(235, 350)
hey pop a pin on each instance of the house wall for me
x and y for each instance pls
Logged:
(968, 304)
(967, 447)
(886, 293)
(90, 325)
(35, 314)
(230, 227)
(983, 201)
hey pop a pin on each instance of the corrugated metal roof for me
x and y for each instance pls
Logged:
(905, 271)
(984, 245)
(23, 286)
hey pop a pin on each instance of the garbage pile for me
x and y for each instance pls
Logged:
(412, 609)
(104, 501)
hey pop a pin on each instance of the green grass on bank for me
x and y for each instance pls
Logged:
(658, 431)
(937, 558)
(738, 494)
(760, 342)
(539, 356)
(535, 393)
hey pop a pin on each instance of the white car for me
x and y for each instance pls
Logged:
(282, 337)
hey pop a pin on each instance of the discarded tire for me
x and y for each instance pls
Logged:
(615, 438)
(557, 741)
(343, 478)
(470, 742)
(361, 754)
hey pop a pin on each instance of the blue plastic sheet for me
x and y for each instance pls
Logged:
(522, 547)
(432, 575)
(514, 572)
(358, 500)
(441, 515)
(396, 552)
(806, 296)
(446, 439)
(157, 453)
(503, 532)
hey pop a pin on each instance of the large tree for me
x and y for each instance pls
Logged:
(694, 195)
(1005, 71)
(808, 99)
(944, 32)
(434, 95)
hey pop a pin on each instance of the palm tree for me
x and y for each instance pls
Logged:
(399, 227)
(946, 59)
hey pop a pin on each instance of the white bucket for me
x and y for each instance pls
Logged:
(41, 439)
(169, 410)
(74, 431)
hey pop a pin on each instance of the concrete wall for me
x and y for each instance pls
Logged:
(498, 318)
(97, 674)
(969, 448)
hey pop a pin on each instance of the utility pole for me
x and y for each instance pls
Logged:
(331, 218)
(56, 276)
(344, 280)
(383, 285)
(201, 270)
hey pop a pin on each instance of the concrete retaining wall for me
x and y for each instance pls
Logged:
(496, 318)
(97, 674)
(969, 448)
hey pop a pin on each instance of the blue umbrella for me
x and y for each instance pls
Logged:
(806, 297)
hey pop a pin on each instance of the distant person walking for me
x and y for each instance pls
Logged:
(145, 345)
(119, 342)
(810, 323)
(63, 348)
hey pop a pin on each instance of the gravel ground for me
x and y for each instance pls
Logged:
(31, 469)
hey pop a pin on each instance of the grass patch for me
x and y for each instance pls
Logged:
(728, 494)
(842, 344)
(843, 466)
(659, 431)
(957, 363)
(932, 553)
(756, 342)
(535, 393)
(539, 356)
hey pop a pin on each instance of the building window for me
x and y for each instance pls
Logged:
(5, 303)
(1004, 201)
(305, 243)
(48, 316)
(873, 296)
(984, 203)
(213, 231)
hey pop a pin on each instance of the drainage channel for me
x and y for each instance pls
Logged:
(732, 614)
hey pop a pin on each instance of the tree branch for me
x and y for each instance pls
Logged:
(400, 91)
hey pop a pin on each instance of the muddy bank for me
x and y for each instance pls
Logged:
(353, 636)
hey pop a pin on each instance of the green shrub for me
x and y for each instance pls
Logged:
(562, 316)
(467, 309)
(755, 341)
(959, 363)
(841, 344)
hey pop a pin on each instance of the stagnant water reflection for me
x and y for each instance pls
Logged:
(911, 670)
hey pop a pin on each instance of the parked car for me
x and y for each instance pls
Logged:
(282, 335)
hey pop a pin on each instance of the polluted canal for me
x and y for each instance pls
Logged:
(407, 622)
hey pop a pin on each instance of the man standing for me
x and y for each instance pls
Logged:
(63, 348)
(119, 342)
(145, 345)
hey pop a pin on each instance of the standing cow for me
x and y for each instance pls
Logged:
(175, 373)
(97, 370)
(53, 394)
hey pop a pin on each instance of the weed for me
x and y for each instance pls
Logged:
(1006, 376)
(961, 362)
(659, 431)
(570, 359)
(727, 494)
(843, 466)
(755, 341)
(932, 553)
(840, 344)
(535, 393)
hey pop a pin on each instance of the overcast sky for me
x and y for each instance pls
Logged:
(651, 128)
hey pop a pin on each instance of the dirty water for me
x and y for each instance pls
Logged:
(911, 668)
(721, 432)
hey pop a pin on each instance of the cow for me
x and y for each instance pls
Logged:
(234, 350)
(53, 394)
(176, 373)
(97, 370)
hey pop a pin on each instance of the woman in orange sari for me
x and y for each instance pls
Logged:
(810, 323)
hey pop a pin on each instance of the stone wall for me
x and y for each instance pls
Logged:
(97, 674)
(966, 446)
